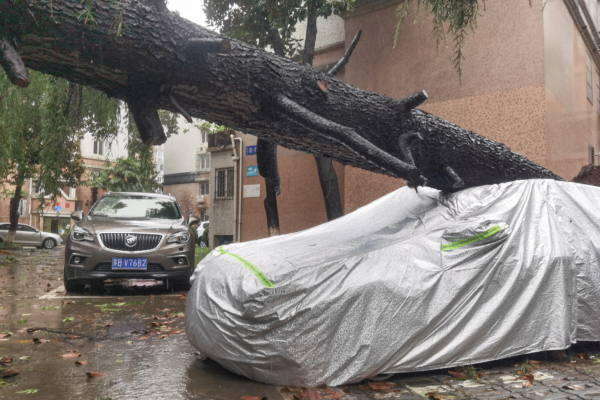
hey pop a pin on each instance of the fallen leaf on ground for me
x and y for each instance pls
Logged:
(6, 360)
(438, 396)
(528, 377)
(67, 302)
(534, 362)
(253, 398)
(71, 355)
(163, 309)
(155, 324)
(8, 374)
(583, 356)
(72, 351)
(457, 374)
(107, 325)
(82, 362)
(94, 374)
(175, 332)
(28, 391)
(144, 338)
(3, 335)
(184, 297)
(382, 386)
(163, 336)
(25, 358)
(73, 336)
(573, 387)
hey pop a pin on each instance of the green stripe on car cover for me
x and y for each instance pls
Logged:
(472, 239)
(261, 277)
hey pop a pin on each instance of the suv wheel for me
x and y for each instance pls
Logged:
(49, 244)
(72, 286)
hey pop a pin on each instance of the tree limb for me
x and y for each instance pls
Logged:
(344, 60)
(13, 65)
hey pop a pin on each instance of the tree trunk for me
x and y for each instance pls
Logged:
(14, 210)
(266, 158)
(164, 61)
(327, 177)
(94, 195)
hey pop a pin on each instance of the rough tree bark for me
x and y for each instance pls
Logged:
(163, 61)
(14, 210)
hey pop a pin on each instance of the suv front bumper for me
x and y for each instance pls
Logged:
(96, 261)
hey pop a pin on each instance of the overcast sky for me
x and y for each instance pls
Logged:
(190, 9)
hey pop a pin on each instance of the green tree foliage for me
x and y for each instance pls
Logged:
(255, 21)
(454, 18)
(127, 174)
(40, 129)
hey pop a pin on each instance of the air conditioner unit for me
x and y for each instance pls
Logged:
(201, 199)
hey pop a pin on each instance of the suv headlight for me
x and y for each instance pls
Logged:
(179, 237)
(79, 234)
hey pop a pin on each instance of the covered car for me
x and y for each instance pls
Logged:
(430, 280)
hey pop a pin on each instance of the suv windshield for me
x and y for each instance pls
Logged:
(136, 207)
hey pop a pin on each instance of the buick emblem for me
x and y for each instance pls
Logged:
(131, 241)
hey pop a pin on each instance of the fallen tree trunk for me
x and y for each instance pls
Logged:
(162, 61)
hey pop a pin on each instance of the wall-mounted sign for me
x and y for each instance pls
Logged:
(250, 150)
(251, 190)
(57, 208)
(252, 170)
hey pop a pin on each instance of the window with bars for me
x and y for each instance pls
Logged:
(588, 65)
(224, 183)
(204, 188)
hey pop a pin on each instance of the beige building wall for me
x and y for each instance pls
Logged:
(572, 121)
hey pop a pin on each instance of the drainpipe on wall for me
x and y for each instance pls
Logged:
(235, 159)
(239, 221)
(30, 198)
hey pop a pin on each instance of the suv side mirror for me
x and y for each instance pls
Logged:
(77, 215)
(194, 220)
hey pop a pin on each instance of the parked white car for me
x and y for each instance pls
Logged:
(29, 236)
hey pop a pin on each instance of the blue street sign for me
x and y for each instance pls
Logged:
(250, 150)
(57, 208)
(252, 170)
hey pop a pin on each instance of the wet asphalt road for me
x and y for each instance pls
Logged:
(132, 332)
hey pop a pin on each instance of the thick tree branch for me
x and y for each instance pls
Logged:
(344, 60)
(350, 139)
(13, 65)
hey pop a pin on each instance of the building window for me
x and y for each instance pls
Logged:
(224, 183)
(202, 161)
(22, 207)
(204, 188)
(588, 65)
(160, 167)
(204, 136)
(98, 147)
(159, 157)
(159, 179)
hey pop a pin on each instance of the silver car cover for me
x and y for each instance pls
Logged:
(413, 281)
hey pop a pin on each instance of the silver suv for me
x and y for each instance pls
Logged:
(130, 236)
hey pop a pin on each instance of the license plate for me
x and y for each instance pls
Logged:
(129, 263)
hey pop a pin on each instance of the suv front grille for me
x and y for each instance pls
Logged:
(107, 267)
(116, 241)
